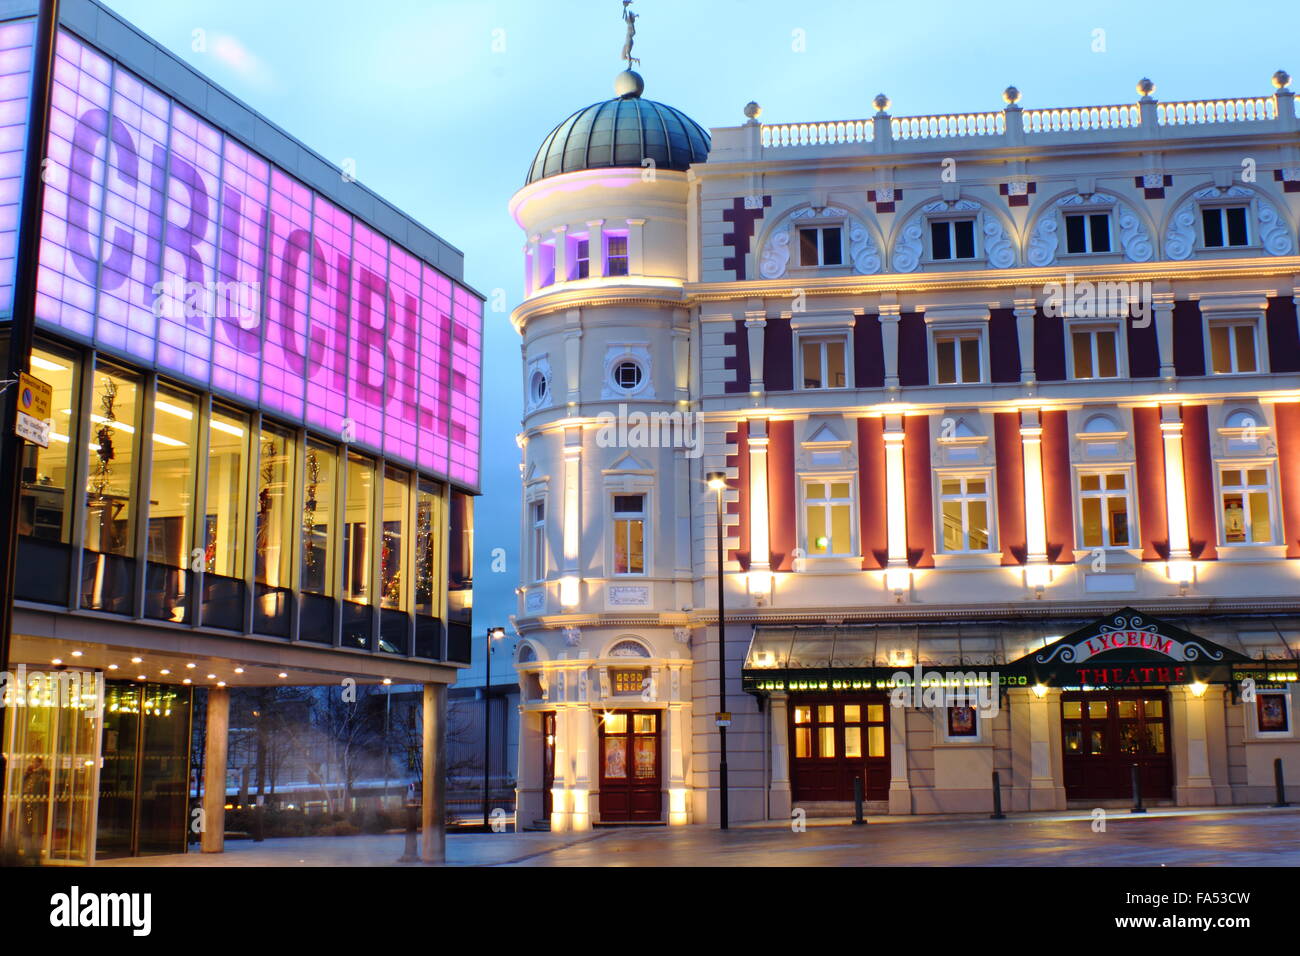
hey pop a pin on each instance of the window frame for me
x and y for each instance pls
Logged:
(1130, 506)
(1090, 327)
(820, 228)
(609, 259)
(828, 479)
(1086, 214)
(1288, 711)
(1253, 322)
(987, 475)
(615, 517)
(823, 338)
(1244, 466)
(977, 250)
(943, 333)
(538, 552)
(1221, 207)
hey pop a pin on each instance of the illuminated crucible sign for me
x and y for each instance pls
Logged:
(167, 241)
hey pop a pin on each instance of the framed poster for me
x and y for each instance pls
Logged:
(1271, 709)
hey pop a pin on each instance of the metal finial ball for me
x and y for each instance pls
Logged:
(1281, 79)
(1145, 86)
(1011, 95)
(881, 102)
(628, 84)
(753, 110)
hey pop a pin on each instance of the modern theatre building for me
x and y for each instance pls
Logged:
(262, 445)
(1001, 414)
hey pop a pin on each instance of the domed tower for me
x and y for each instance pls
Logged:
(608, 436)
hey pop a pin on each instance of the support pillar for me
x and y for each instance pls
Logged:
(214, 771)
(1195, 785)
(433, 843)
(1024, 312)
(1162, 303)
(1171, 430)
(900, 787)
(779, 800)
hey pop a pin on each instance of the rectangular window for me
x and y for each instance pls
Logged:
(821, 246)
(823, 363)
(44, 510)
(1224, 226)
(357, 543)
(318, 524)
(952, 239)
(547, 263)
(110, 488)
(957, 359)
(1232, 348)
(627, 680)
(1247, 496)
(1087, 232)
(392, 554)
(223, 517)
(828, 518)
(1095, 352)
(428, 551)
(1271, 711)
(962, 722)
(171, 503)
(581, 259)
(276, 520)
(964, 511)
(615, 255)
(629, 534)
(537, 539)
(1104, 506)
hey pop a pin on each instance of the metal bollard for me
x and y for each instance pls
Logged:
(1280, 782)
(1137, 792)
(412, 854)
(997, 798)
(857, 802)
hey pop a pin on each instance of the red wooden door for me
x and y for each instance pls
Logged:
(630, 767)
(1104, 733)
(835, 740)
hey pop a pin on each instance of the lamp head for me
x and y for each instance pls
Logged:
(717, 480)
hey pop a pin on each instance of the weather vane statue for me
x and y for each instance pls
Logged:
(631, 19)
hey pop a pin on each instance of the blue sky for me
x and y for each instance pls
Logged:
(442, 103)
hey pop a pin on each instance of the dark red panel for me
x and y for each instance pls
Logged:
(781, 494)
(1288, 466)
(873, 522)
(913, 350)
(1283, 336)
(1049, 347)
(920, 508)
(1150, 453)
(778, 356)
(1198, 479)
(1011, 487)
(1189, 339)
(868, 353)
(1058, 500)
(738, 543)
(1004, 346)
(739, 337)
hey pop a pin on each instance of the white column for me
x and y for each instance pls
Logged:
(1042, 778)
(755, 331)
(676, 732)
(535, 270)
(570, 578)
(900, 787)
(1163, 304)
(889, 319)
(779, 800)
(595, 248)
(635, 247)
(562, 784)
(895, 494)
(584, 761)
(1024, 311)
(561, 253)
(1197, 787)
(1171, 430)
(1031, 443)
(759, 541)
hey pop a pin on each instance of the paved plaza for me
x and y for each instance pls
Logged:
(1184, 837)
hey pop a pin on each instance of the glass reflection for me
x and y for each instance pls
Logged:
(392, 555)
(111, 483)
(171, 498)
(356, 530)
(318, 519)
(43, 511)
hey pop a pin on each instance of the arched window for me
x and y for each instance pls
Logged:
(629, 648)
(1101, 425)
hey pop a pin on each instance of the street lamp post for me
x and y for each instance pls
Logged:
(492, 633)
(718, 482)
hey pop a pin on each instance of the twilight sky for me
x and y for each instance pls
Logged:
(441, 105)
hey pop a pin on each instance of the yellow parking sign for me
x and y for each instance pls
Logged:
(35, 400)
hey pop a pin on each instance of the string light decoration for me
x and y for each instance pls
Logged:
(267, 476)
(424, 553)
(309, 510)
(102, 474)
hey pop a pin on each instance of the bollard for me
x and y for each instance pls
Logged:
(1137, 792)
(412, 854)
(1280, 782)
(857, 802)
(997, 798)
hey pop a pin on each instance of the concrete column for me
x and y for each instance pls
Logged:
(585, 755)
(1171, 430)
(1031, 441)
(889, 319)
(214, 770)
(433, 842)
(895, 495)
(677, 736)
(562, 263)
(535, 265)
(528, 769)
(595, 248)
(1194, 786)
(1046, 791)
(755, 332)
(572, 517)
(778, 798)
(1024, 311)
(562, 786)
(900, 787)
(1163, 304)
(636, 247)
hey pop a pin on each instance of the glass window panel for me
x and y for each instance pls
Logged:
(832, 254)
(835, 376)
(1107, 360)
(840, 489)
(802, 714)
(1073, 739)
(940, 240)
(1075, 240)
(875, 741)
(223, 517)
(1153, 708)
(1236, 217)
(1212, 226)
(1127, 708)
(945, 355)
(1128, 739)
(964, 235)
(1116, 481)
(643, 723)
(808, 247)
(1257, 476)
(110, 489)
(1234, 519)
(1260, 522)
(1097, 742)
(818, 541)
(953, 537)
(1092, 523)
(1098, 708)
(1230, 477)
(841, 529)
(44, 508)
(644, 757)
(812, 365)
(826, 713)
(825, 741)
(392, 555)
(975, 486)
(979, 533)
(171, 482)
(803, 742)
(1100, 232)
(318, 519)
(1117, 512)
(876, 713)
(1072, 709)
(615, 723)
(1082, 354)
(1155, 738)
(1220, 350)
(616, 757)
(815, 491)
(428, 550)
(276, 520)
(1245, 343)
(970, 360)
(852, 713)
(853, 741)
(950, 486)
(357, 541)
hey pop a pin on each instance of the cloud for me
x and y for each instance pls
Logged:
(232, 53)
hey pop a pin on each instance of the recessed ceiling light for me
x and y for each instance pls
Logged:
(239, 670)
(388, 680)
(190, 666)
(76, 653)
(283, 674)
(112, 667)
(141, 677)
(57, 661)
(164, 672)
(212, 677)
(137, 660)
(187, 681)
(221, 683)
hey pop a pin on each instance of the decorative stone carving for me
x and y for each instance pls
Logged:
(682, 635)
(997, 245)
(776, 255)
(573, 636)
(1043, 241)
(907, 250)
(864, 254)
(1273, 232)
(1180, 236)
(1134, 238)
(629, 649)
(863, 251)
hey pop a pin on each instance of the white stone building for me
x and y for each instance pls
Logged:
(1010, 398)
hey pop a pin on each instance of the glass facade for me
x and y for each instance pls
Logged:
(297, 537)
